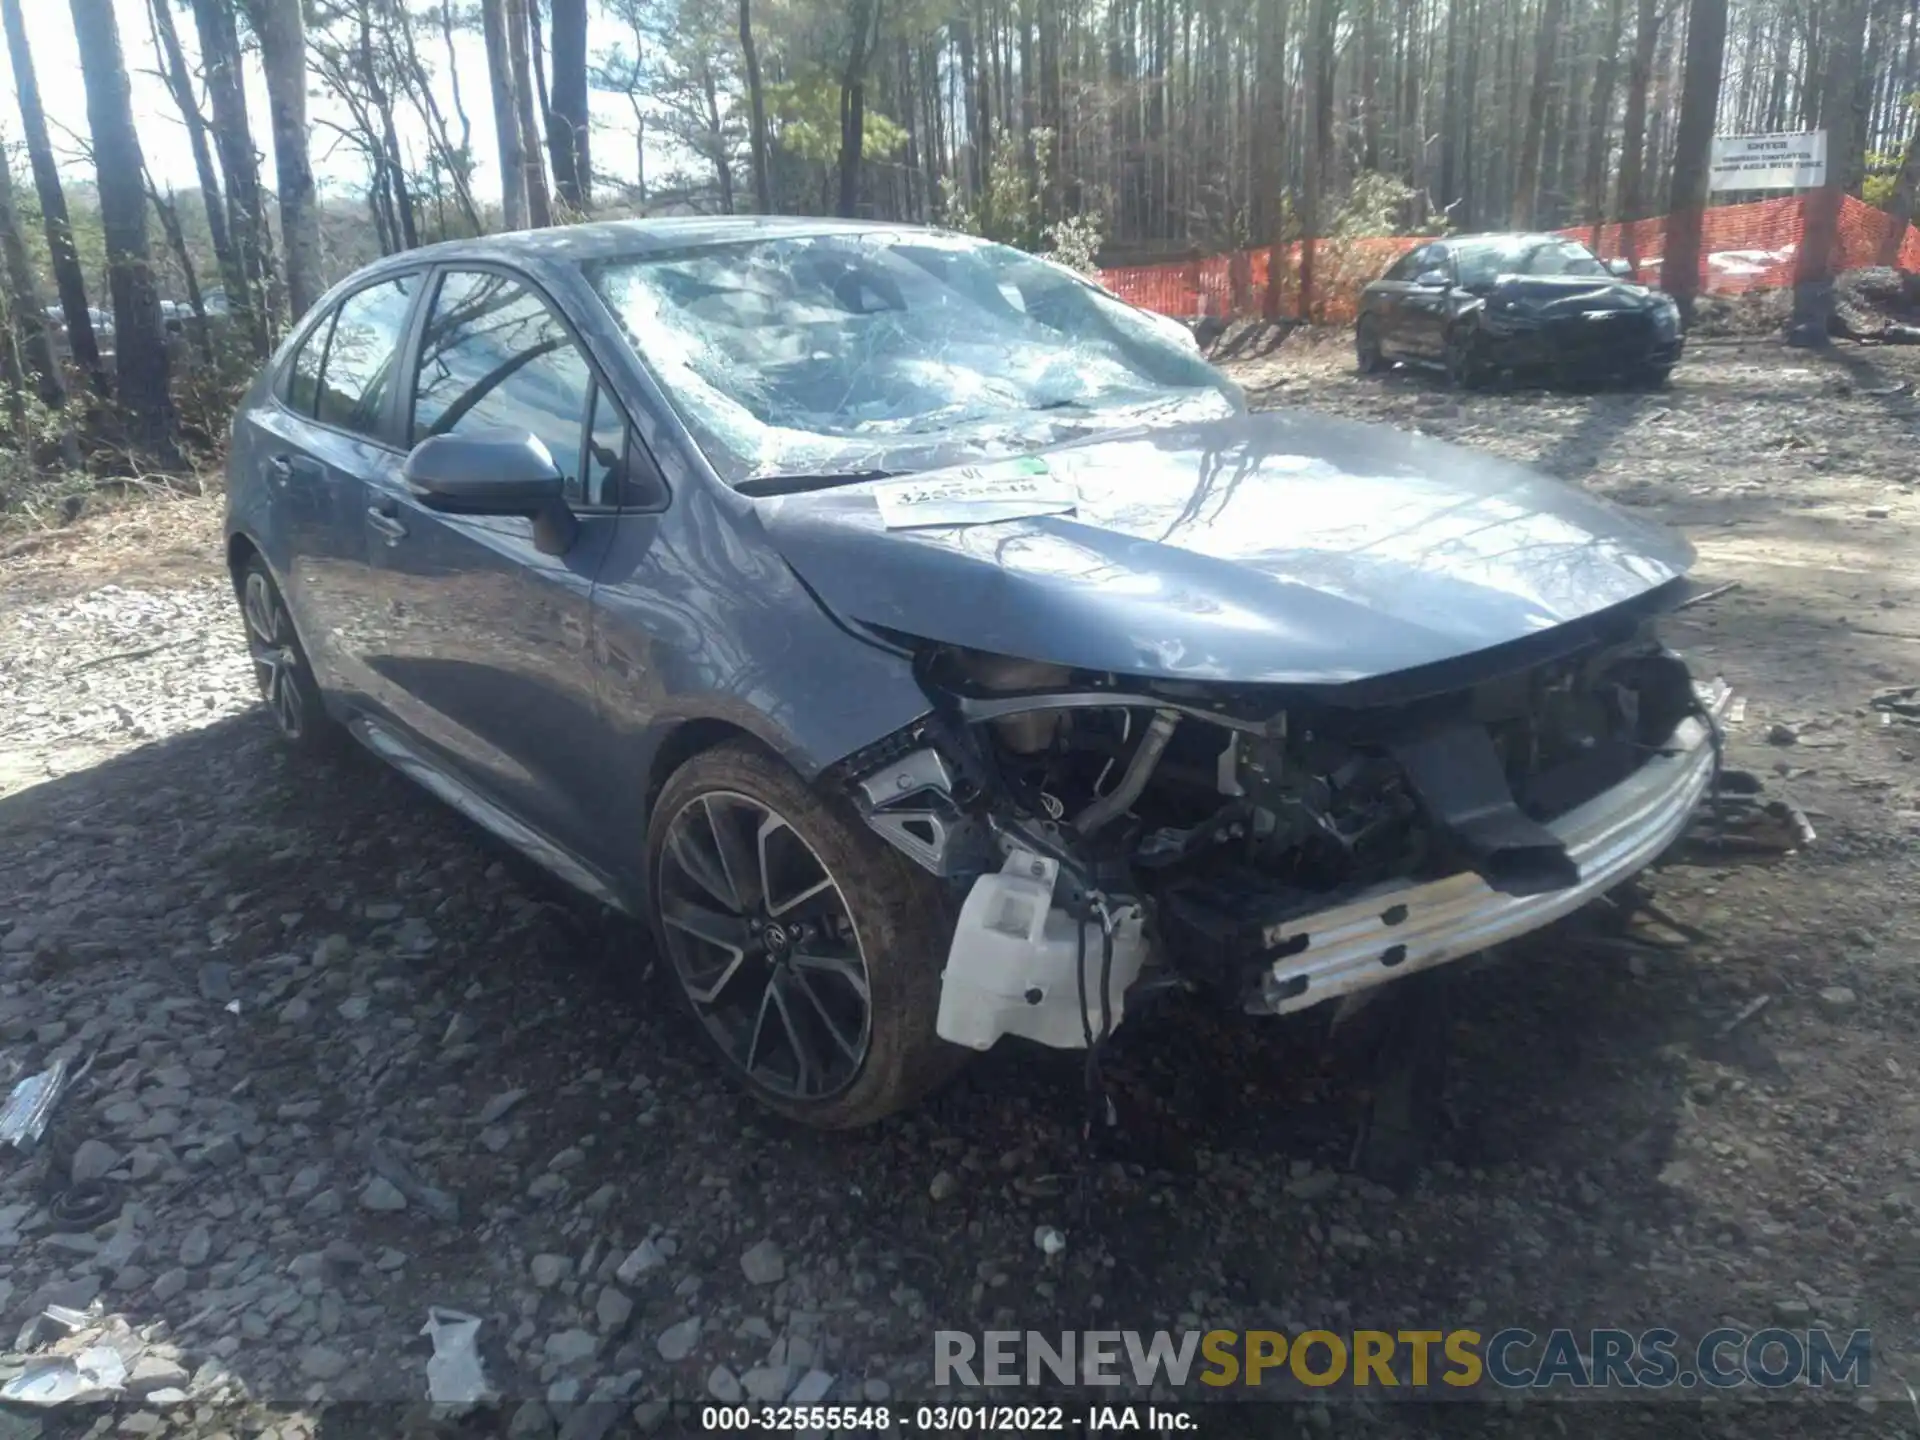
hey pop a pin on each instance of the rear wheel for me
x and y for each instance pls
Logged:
(1366, 346)
(807, 949)
(1652, 377)
(280, 666)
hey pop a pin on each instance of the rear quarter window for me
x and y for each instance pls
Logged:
(301, 388)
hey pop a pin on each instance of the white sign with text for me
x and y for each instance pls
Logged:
(1769, 162)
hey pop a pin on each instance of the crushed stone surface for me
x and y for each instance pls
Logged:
(351, 1059)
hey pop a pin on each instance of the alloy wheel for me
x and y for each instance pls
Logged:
(763, 944)
(275, 658)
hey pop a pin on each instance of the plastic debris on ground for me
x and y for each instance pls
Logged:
(1901, 702)
(96, 1373)
(1740, 820)
(455, 1375)
(23, 1119)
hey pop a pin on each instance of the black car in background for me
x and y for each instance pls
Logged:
(1478, 305)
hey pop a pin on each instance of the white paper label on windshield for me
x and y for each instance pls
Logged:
(976, 495)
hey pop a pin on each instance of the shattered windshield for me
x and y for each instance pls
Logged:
(1483, 263)
(894, 350)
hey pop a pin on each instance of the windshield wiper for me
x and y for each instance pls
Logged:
(760, 485)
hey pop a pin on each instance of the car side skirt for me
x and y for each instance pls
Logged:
(436, 780)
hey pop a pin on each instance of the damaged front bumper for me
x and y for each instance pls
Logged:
(1396, 929)
(1092, 836)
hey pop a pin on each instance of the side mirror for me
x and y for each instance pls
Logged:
(1433, 280)
(494, 472)
(1621, 267)
(488, 472)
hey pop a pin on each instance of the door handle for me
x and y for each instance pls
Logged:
(389, 527)
(281, 468)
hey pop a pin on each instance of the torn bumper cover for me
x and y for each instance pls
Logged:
(1396, 929)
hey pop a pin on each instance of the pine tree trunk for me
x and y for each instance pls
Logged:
(1317, 55)
(1368, 22)
(983, 136)
(233, 141)
(1412, 168)
(453, 77)
(1813, 281)
(1473, 188)
(716, 142)
(1526, 185)
(179, 83)
(1560, 191)
(65, 258)
(1633, 144)
(976, 153)
(539, 207)
(853, 106)
(169, 216)
(1451, 86)
(757, 112)
(392, 169)
(1667, 77)
(1900, 206)
(494, 20)
(567, 137)
(1593, 189)
(1692, 150)
(1271, 145)
(23, 301)
(145, 404)
(1029, 101)
(283, 52)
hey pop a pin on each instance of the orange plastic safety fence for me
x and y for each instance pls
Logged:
(1742, 248)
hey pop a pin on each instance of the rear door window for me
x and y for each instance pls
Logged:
(356, 379)
(495, 356)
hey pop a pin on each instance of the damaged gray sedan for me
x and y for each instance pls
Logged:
(933, 649)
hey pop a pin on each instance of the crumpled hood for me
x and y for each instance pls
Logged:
(1276, 547)
(1556, 294)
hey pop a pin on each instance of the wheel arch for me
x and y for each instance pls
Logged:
(241, 548)
(688, 738)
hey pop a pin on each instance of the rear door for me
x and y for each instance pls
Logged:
(486, 655)
(330, 434)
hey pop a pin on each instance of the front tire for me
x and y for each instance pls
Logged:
(1366, 346)
(807, 950)
(1465, 354)
(280, 667)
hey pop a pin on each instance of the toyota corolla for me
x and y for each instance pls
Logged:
(931, 648)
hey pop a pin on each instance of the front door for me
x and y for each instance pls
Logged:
(1426, 305)
(485, 655)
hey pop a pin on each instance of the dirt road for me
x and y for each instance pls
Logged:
(352, 1060)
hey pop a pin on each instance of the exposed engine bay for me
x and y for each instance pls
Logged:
(1096, 829)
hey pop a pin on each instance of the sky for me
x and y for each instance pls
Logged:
(163, 136)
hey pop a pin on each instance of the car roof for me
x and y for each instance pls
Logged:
(1543, 237)
(605, 239)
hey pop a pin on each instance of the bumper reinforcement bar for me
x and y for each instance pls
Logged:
(1398, 928)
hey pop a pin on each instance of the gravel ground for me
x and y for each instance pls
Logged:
(350, 1059)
